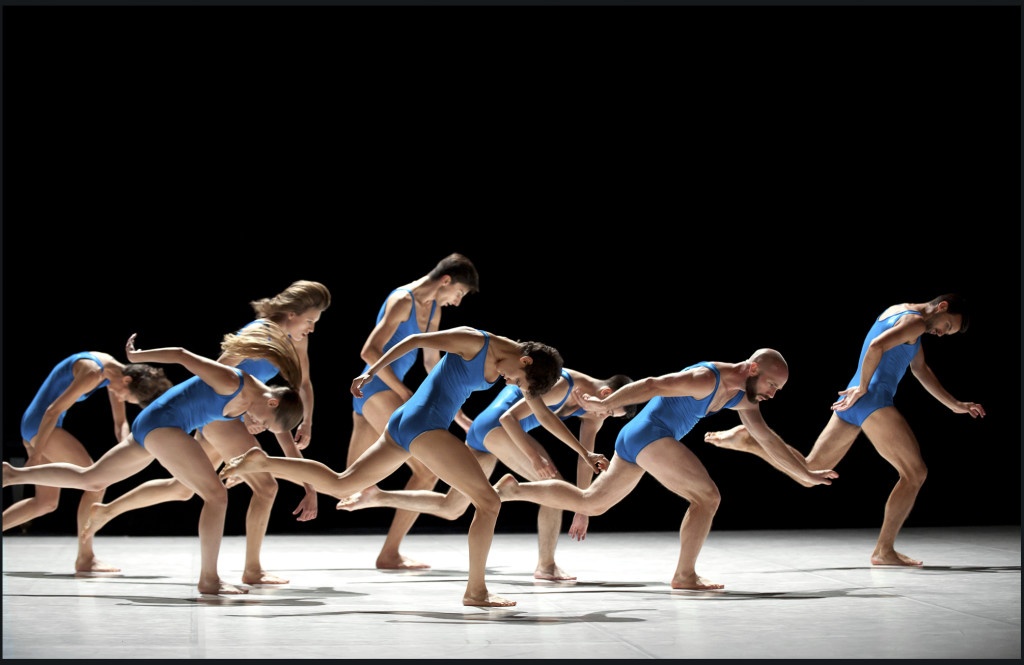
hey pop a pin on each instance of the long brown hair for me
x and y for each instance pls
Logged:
(268, 341)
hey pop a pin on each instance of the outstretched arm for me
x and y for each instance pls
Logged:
(222, 378)
(554, 424)
(924, 374)
(785, 458)
(464, 341)
(695, 382)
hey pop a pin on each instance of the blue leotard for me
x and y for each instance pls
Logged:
(890, 371)
(489, 417)
(187, 405)
(440, 396)
(667, 417)
(56, 383)
(401, 365)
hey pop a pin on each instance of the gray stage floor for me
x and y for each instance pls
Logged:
(789, 594)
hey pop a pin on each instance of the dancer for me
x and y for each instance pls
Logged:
(73, 380)
(411, 308)
(473, 360)
(651, 443)
(892, 344)
(296, 310)
(161, 431)
(501, 433)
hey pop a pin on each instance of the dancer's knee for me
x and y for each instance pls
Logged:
(264, 486)
(707, 498)
(488, 504)
(915, 475)
(454, 506)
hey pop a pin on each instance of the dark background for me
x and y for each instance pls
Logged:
(642, 187)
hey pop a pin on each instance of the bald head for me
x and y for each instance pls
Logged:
(767, 376)
(770, 360)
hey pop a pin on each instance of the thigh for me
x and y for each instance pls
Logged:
(379, 407)
(453, 461)
(362, 437)
(229, 438)
(63, 446)
(377, 463)
(676, 467)
(122, 461)
(512, 456)
(179, 453)
(832, 444)
(892, 437)
(614, 484)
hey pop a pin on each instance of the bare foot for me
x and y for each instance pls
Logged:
(220, 588)
(736, 438)
(695, 583)
(399, 562)
(490, 600)
(506, 487)
(251, 461)
(97, 518)
(553, 573)
(365, 499)
(262, 577)
(894, 558)
(8, 470)
(90, 564)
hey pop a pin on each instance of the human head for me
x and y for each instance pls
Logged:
(543, 369)
(279, 412)
(614, 383)
(145, 383)
(460, 269)
(950, 314)
(296, 309)
(768, 374)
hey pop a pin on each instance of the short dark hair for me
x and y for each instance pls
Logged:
(545, 369)
(460, 269)
(956, 304)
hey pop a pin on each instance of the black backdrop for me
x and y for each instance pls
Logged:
(642, 187)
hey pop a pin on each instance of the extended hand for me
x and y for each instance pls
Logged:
(578, 528)
(597, 462)
(850, 397)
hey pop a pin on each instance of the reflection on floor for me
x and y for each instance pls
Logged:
(789, 594)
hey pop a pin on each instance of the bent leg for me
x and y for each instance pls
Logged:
(607, 489)
(122, 461)
(149, 493)
(892, 437)
(378, 462)
(180, 454)
(676, 467)
(231, 438)
(449, 506)
(549, 519)
(449, 458)
(829, 448)
(376, 412)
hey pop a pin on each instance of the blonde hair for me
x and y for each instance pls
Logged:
(297, 298)
(270, 342)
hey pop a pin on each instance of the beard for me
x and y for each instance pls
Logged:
(750, 389)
